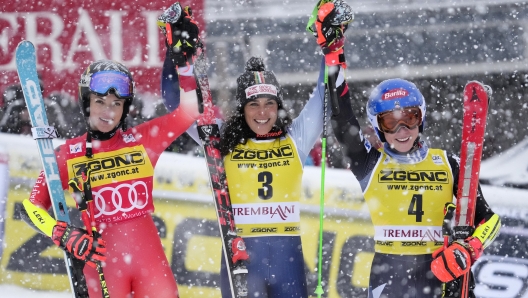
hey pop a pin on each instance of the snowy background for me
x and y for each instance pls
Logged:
(439, 45)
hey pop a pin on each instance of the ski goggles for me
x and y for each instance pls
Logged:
(390, 122)
(103, 81)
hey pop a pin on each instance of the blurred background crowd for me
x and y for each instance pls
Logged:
(64, 114)
(438, 45)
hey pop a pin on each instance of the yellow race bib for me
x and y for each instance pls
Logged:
(264, 180)
(406, 203)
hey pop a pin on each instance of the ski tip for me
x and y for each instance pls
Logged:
(480, 85)
(474, 82)
(25, 44)
(25, 50)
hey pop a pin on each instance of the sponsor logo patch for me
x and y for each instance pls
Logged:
(76, 148)
(394, 94)
(386, 176)
(438, 160)
(261, 89)
(127, 138)
(263, 230)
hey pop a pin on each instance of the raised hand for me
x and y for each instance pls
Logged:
(331, 23)
(181, 32)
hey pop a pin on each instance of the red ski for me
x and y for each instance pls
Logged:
(473, 128)
(234, 248)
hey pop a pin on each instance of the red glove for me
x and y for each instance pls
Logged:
(239, 250)
(330, 29)
(455, 260)
(79, 243)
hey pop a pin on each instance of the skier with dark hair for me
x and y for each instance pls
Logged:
(406, 186)
(120, 163)
(263, 150)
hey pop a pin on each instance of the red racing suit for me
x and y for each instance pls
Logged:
(122, 170)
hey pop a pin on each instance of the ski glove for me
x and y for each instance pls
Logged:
(239, 250)
(79, 243)
(331, 24)
(181, 32)
(455, 260)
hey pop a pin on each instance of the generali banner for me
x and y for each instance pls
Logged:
(69, 35)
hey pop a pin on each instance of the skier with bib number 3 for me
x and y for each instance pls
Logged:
(121, 162)
(407, 185)
(268, 185)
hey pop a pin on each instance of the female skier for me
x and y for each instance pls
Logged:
(406, 186)
(120, 163)
(264, 151)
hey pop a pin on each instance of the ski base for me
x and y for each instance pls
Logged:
(26, 62)
(209, 133)
(476, 103)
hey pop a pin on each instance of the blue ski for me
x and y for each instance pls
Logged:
(26, 62)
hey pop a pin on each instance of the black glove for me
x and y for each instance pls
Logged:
(181, 32)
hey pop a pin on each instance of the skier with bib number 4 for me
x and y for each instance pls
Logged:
(407, 185)
(121, 164)
(271, 183)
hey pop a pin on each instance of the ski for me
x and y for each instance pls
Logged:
(209, 133)
(26, 63)
(476, 103)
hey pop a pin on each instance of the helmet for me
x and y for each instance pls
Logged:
(390, 95)
(103, 77)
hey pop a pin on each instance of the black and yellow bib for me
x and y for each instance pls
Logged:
(406, 203)
(264, 179)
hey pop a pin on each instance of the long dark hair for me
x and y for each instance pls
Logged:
(236, 130)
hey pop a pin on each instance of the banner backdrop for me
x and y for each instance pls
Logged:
(188, 229)
(69, 35)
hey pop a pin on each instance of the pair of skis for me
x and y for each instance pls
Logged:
(209, 134)
(476, 102)
(26, 62)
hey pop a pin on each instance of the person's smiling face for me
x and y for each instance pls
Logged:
(403, 139)
(105, 112)
(261, 114)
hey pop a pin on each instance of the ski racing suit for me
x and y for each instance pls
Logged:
(122, 170)
(405, 194)
(264, 180)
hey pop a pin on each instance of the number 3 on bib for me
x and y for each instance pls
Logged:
(266, 191)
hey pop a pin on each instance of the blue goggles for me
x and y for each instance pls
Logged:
(103, 81)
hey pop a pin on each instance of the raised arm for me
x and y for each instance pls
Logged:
(362, 156)
(178, 83)
(307, 127)
(347, 130)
